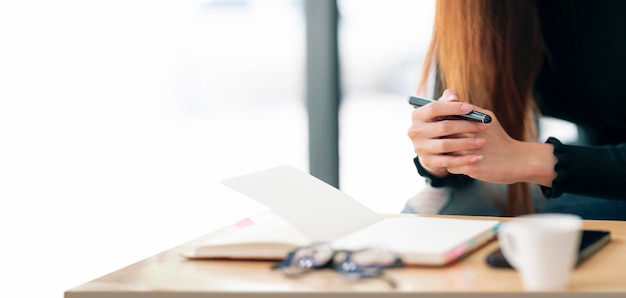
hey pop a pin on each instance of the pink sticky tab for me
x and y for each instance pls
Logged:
(457, 252)
(245, 223)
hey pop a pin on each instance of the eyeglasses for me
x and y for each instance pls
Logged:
(353, 264)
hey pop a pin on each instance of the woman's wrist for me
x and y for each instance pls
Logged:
(539, 162)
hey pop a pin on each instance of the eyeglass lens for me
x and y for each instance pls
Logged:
(357, 264)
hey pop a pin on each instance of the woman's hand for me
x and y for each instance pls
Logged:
(482, 151)
(506, 160)
(442, 144)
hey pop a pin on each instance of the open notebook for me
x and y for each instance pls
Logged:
(306, 209)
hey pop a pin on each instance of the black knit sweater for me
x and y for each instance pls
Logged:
(583, 81)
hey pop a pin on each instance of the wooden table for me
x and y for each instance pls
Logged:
(170, 275)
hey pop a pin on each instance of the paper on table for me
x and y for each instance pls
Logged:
(320, 211)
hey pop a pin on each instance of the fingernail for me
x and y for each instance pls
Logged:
(482, 126)
(453, 97)
(466, 108)
(477, 158)
(479, 142)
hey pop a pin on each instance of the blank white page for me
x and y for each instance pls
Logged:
(319, 210)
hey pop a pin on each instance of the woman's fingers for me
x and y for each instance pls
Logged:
(449, 95)
(450, 161)
(441, 142)
(437, 110)
(444, 128)
(448, 104)
(447, 145)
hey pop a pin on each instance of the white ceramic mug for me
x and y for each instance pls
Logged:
(543, 248)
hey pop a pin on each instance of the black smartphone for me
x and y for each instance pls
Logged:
(590, 242)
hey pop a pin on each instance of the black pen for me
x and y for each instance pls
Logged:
(417, 102)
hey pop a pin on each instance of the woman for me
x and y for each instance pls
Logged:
(515, 60)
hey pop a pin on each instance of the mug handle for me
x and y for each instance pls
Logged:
(507, 245)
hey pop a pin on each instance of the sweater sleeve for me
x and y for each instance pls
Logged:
(597, 171)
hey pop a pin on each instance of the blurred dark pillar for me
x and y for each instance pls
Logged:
(322, 85)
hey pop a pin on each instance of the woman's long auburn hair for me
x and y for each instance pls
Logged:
(490, 52)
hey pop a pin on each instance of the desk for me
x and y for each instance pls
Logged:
(170, 275)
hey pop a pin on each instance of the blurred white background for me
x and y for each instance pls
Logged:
(119, 119)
